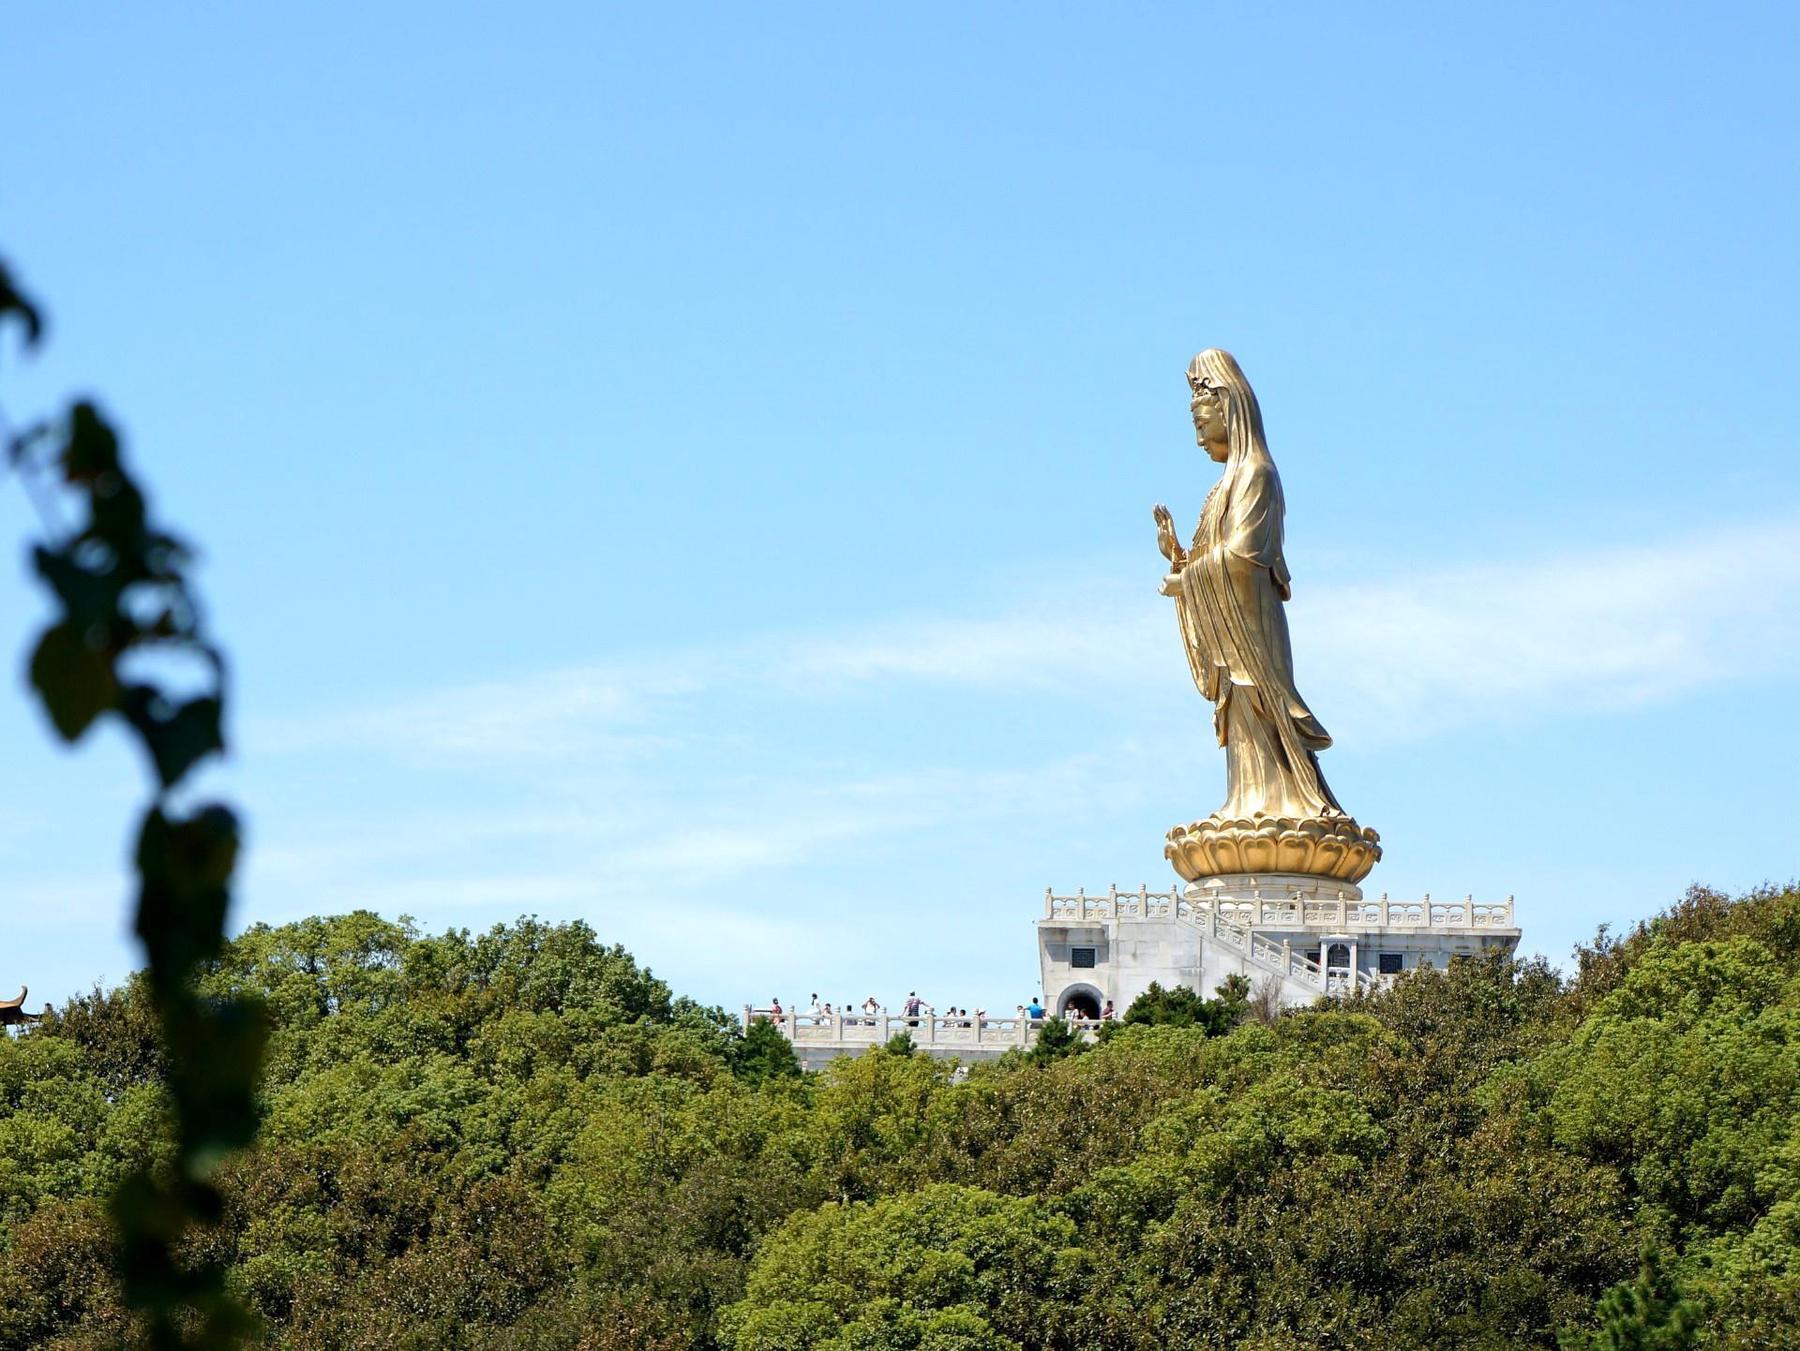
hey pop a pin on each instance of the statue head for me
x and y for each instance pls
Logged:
(1227, 419)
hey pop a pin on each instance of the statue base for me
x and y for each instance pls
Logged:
(1335, 848)
(1283, 887)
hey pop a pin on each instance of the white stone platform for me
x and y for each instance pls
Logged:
(1299, 938)
(818, 1040)
(1308, 936)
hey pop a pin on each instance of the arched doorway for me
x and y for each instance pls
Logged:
(1337, 973)
(1079, 1001)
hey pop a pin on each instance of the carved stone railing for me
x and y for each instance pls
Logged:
(1115, 904)
(853, 1031)
(1277, 958)
(1342, 915)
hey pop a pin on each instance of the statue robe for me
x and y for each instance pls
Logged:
(1234, 628)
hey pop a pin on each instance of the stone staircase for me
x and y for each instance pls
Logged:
(1302, 979)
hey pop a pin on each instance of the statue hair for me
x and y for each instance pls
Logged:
(1243, 415)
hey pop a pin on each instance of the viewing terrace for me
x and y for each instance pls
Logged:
(817, 1039)
(1278, 907)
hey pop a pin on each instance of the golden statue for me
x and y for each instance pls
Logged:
(1279, 815)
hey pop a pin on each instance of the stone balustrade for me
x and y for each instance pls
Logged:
(849, 1032)
(1346, 913)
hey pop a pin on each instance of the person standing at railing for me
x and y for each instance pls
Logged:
(775, 1010)
(1106, 1013)
(1034, 1010)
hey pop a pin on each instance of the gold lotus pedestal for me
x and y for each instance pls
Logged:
(1335, 848)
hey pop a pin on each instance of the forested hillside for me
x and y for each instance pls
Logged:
(521, 1140)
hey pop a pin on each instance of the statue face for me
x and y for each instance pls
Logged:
(1210, 431)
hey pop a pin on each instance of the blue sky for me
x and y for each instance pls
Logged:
(690, 468)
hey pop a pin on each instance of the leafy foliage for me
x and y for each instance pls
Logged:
(521, 1139)
(1056, 1038)
(765, 1054)
(1182, 1007)
(1647, 1314)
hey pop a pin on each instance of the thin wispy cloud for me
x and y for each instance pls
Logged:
(577, 714)
(1549, 637)
(1405, 656)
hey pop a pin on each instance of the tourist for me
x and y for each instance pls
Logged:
(813, 1008)
(775, 1008)
(827, 1010)
(1034, 1010)
(871, 1007)
(1107, 1014)
(911, 1008)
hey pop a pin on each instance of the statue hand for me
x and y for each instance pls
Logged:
(1165, 535)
